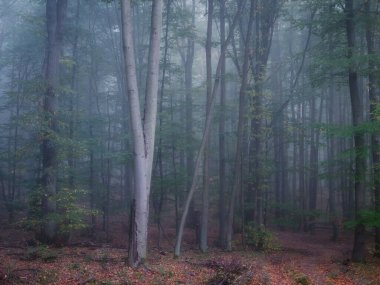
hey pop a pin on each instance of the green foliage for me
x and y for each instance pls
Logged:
(70, 215)
(259, 237)
(369, 218)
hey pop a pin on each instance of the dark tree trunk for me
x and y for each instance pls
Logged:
(55, 12)
(240, 132)
(206, 158)
(222, 148)
(188, 63)
(373, 92)
(359, 249)
(313, 162)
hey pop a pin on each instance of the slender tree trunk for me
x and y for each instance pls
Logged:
(301, 163)
(159, 151)
(188, 63)
(206, 158)
(359, 249)
(313, 165)
(240, 131)
(205, 134)
(222, 148)
(73, 95)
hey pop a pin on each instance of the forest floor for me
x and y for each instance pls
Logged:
(297, 258)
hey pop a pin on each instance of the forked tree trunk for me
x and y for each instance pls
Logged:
(143, 129)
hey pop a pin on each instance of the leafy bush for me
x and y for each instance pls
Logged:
(69, 216)
(259, 237)
(369, 218)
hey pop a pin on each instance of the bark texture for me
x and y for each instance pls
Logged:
(143, 131)
(55, 13)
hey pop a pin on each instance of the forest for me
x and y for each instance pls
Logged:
(190, 142)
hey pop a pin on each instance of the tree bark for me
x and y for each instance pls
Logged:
(143, 133)
(55, 13)
(373, 92)
(206, 158)
(359, 249)
(222, 148)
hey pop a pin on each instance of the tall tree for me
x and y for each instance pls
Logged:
(143, 129)
(359, 249)
(374, 98)
(241, 123)
(206, 131)
(55, 13)
(222, 118)
(206, 161)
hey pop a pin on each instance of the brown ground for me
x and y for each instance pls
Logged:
(298, 259)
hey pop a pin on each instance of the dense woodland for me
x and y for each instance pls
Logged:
(223, 119)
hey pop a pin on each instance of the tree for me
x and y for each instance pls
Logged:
(143, 129)
(206, 161)
(359, 249)
(373, 93)
(241, 123)
(55, 13)
(206, 131)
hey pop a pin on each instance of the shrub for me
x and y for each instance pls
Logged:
(259, 237)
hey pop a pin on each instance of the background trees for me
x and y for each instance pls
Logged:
(279, 118)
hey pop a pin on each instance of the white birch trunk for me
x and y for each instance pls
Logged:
(143, 135)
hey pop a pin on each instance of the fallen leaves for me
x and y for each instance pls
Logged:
(303, 259)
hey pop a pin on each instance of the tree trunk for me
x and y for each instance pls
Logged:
(240, 131)
(194, 183)
(331, 143)
(222, 148)
(55, 12)
(359, 249)
(206, 158)
(143, 133)
(373, 92)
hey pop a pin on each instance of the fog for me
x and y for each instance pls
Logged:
(267, 120)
